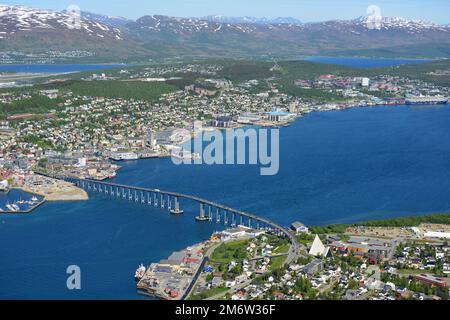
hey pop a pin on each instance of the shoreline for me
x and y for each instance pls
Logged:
(402, 221)
(64, 196)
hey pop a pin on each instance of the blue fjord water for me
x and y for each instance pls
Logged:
(365, 63)
(336, 166)
(54, 68)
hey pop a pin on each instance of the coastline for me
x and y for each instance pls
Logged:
(71, 193)
(405, 221)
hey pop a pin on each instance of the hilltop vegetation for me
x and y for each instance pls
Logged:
(411, 221)
(120, 89)
(36, 104)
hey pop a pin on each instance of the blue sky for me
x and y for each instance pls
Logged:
(306, 10)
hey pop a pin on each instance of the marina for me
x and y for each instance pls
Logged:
(13, 203)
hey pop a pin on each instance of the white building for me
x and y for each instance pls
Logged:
(318, 249)
(365, 82)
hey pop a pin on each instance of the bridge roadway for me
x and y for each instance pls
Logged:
(193, 198)
(294, 250)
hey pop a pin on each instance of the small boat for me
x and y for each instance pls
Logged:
(34, 199)
(12, 207)
(140, 271)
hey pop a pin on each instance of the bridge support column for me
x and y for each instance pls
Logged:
(225, 217)
(210, 214)
(176, 209)
(218, 215)
(149, 198)
(162, 200)
(201, 216)
(169, 203)
(155, 199)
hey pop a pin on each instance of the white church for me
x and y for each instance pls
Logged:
(318, 248)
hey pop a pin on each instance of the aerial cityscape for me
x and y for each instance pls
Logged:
(224, 153)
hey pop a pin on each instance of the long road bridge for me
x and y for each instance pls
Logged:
(208, 211)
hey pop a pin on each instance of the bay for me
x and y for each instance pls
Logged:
(335, 167)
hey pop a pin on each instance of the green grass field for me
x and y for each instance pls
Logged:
(208, 293)
(226, 252)
(276, 262)
(284, 248)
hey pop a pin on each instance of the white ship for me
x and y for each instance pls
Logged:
(123, 156)
(427, 100)
(140, 271)
(185, 155)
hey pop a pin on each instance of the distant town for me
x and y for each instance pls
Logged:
(85, 135)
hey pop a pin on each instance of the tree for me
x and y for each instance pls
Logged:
(209, 277)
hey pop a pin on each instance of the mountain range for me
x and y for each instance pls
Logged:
(156, 36)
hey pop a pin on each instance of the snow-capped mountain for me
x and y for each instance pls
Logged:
(35, 30)
(184, 26)
(248, 25)
(108, 20)
(21, 19)
(383, 24)
(252, 20)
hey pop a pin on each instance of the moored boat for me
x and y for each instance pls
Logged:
(140, 271)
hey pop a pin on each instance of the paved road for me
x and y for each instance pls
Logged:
(195, 278)
(199, 270)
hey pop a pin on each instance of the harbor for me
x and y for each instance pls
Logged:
(187, 272)
(16, 202)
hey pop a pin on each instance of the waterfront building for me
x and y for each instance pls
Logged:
(150, 140)
(248, 118)
(279, 116)
(297, 226)
(240, 232)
